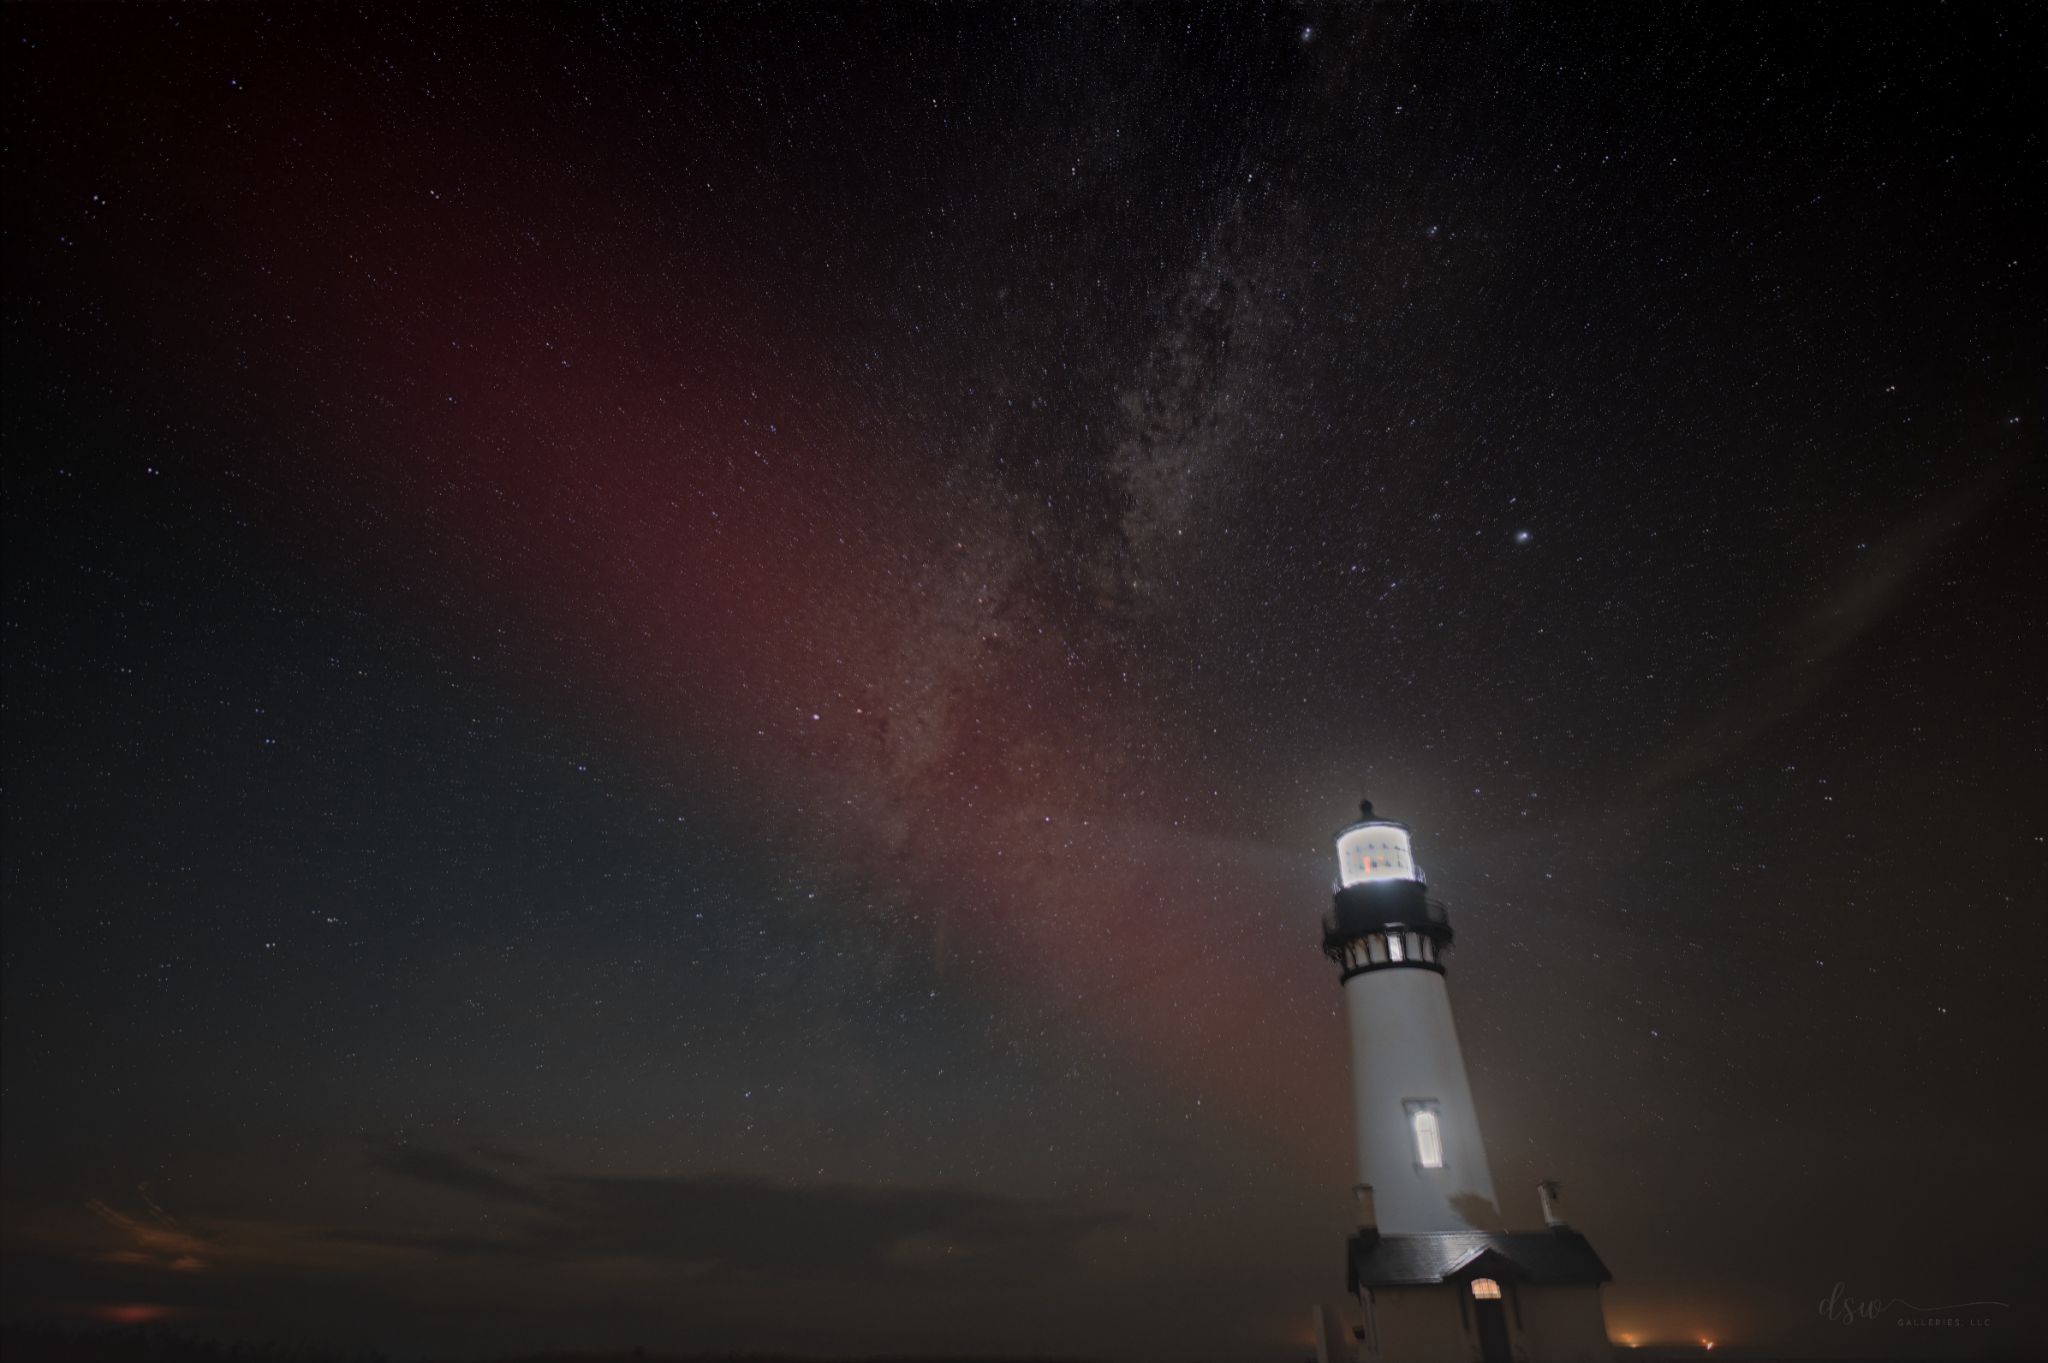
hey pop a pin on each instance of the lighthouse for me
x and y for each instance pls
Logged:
(1433, 1273)
(1419, 1147)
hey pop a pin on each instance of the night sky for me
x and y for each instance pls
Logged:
(680, 677)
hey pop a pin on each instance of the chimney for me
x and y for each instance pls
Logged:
(1548, 1190)
(1366, 1219)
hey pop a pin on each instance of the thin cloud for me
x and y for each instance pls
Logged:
(158, 1241)
(454, 1172)
(1855, 601)
(732, 1225)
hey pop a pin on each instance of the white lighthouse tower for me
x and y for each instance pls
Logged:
(1419, 1147)
(1435, 1276)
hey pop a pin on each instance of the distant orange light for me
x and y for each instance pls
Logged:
(1707, 1344)
(134, 1313)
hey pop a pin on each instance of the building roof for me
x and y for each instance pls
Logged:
(1558, 1255)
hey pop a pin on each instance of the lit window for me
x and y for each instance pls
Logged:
(1394, 952)
(1429, 1140)
(1486, 1289)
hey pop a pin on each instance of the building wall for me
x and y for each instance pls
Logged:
(1558, 1324)
(1404, 1046)
(1565, 1324)
(1418, 1325)
(1331, 1323)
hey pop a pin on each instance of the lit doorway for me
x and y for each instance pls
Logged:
(1492, 1315)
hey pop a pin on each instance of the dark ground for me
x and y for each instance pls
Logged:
(22, 1343)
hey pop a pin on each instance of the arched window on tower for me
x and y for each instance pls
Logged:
(1486, 1289)
(1429, 1136)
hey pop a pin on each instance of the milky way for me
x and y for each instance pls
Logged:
(659, 661)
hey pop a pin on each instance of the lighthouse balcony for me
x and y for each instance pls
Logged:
(1389, 903)
(1388, 925)
(1388, 948)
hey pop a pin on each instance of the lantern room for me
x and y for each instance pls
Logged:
(1375, 849)
(1382, 914)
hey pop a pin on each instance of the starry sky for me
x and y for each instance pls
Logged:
(680, 676)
